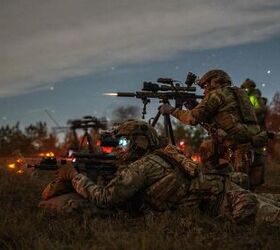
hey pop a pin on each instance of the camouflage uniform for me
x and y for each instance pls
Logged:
(226, 113)
(256, 100)
(155, 183)
(151, 182)
(163, 178)
(260, 108)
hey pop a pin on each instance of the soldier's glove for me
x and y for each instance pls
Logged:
(66, 173)
(166, 109)
(55, 188)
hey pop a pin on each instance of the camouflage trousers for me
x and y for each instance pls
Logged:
(240, 157)
(246, 159)
(268, 208)
(213, 194)
(218, 197)
(221, 198)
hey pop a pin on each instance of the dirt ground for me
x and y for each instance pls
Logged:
(24, 226)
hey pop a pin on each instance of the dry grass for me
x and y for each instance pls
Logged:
(23, 226)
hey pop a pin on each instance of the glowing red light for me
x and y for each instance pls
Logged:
(196, 158)
(107, 150)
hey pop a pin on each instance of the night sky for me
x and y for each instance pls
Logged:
(61, 56)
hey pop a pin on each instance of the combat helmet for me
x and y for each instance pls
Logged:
(248, 85)
(214, 78)
(139, 137)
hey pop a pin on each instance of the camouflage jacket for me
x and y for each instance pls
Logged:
(164, 179)
(154, 181)
(221, 110)
(167, 182)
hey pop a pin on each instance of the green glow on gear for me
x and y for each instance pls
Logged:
(254, 101)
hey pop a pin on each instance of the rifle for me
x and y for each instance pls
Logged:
(47, 163)
(97, 167)
(165, 89)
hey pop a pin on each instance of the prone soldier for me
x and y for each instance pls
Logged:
(162, 178)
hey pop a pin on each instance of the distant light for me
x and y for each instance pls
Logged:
(12, 165)
(177, 67)
(268, 72)
(113, 68)
(4, 118)
(263, 85)
(52, 88)
(49, 154)
(111, 94)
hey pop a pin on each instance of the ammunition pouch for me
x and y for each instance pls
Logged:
(158, 194)
(245, 108)
(241, 157)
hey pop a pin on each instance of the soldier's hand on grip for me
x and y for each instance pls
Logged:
(166, 109)
(66, 173)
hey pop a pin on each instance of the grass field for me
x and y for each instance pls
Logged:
(24, 226)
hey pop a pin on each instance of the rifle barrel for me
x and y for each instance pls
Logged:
(160, 95)
(126, 94)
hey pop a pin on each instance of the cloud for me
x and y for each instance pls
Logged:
(43, 42)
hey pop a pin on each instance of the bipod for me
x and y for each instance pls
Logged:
(167, 126)
(86, 137)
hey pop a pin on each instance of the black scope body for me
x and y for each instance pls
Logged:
(154, 87)
(86, 123)
(165, 80)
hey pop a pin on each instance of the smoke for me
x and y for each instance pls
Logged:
(123, 113)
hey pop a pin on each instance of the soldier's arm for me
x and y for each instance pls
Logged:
(205, 109)
(128, 182)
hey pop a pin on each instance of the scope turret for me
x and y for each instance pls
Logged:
(190, 80)
(169, 81)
